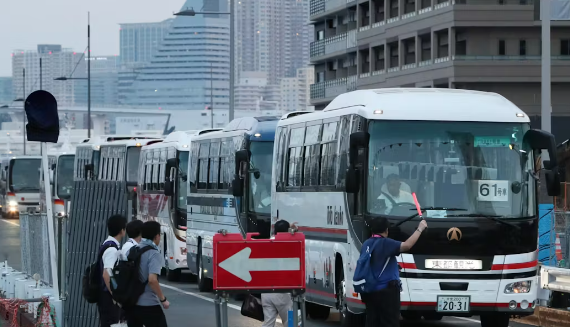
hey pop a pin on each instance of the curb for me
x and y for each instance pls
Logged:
(547, 317)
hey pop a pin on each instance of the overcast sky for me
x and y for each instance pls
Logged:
(26, 23)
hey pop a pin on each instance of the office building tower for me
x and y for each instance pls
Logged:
(193, 53)
(295, 91)
(104, 82)
(6, 95)
(56, 62)
(139, 41)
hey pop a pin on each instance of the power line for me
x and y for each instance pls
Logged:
(77, 64)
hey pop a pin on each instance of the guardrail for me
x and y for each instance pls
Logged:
(555, 279)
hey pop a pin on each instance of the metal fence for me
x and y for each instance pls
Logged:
(92, 203)
(35, 246)
(554, 230)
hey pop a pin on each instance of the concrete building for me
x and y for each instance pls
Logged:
(487, 45)
(295, 91)
(56, 62)
(6, 95)
(194, 51)
(139, 41)
(273, 37)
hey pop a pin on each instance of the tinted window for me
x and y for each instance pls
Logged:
(25, 175)
(65, 177)
(133, 155)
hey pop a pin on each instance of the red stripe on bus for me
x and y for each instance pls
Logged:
(407, 265)
(322, 230)
(521, 265)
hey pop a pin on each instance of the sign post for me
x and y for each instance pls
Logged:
(259, 266)
(43, 126)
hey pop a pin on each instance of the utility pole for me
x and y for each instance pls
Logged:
(232, 58)
(88, 75)
(211, 96)
(23, 106)
(546, 105)
(41, 74)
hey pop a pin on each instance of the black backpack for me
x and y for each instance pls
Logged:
(126, 283)
(92, 275)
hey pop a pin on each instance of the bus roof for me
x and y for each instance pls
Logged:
(6, 160)
(260, 128)
(131, 142)
(427, 104)
(181, 139)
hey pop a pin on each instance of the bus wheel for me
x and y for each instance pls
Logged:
(317, 312)
(433, 316)
(203, 283)
(495, 320)
(173, 275)
(347, 318)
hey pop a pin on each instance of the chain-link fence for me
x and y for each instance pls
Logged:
(35, 246)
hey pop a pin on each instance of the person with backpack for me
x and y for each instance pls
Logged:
(134, 230)
(147, 311)
(377, 275)
(109, 312)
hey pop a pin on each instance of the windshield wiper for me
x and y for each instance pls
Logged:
(427, 208)
(490, 217)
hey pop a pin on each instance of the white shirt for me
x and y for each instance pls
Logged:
(403, 197)
(126, 247)
(111, 254)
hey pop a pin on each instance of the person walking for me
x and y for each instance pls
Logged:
(134, 231)
(275, 304)
(109, 312)
(383, 303)
(148, 311)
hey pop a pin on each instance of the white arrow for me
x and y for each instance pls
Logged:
(240, 264)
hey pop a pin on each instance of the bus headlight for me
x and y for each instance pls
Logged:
(12, 203)
(518, 287)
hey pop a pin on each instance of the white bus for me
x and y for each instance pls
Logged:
(119, 161)
(162, 179)
(470, 158)
(61, 167)
(223, 195)
(20, 185)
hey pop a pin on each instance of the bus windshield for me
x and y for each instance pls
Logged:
(65, 176)
(25, 175)
(260, 177)
(133, 156)
(472, 168)
(181, 183)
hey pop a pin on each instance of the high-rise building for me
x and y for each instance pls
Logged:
(104, 82)
(295, 92)
(139, 41)
(193, 53)
(491, 45)
(6, 95)
(56, 62)
(272, 37)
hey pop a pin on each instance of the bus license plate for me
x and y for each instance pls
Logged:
(453, 303)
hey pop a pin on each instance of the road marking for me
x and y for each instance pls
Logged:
(240, 264)
(468, 319)
(205, 298)
(10, 222)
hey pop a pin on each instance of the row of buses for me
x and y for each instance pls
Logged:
(470, 157)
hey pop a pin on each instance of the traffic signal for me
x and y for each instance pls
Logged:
(43, 120)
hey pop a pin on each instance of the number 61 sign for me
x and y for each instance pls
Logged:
(490, 190)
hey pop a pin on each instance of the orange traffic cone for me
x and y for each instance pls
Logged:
(558, 248)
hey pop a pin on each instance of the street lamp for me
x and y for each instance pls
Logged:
(88, 75)
(24, 113)
(190, 12)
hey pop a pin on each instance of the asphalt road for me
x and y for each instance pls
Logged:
(189, 307)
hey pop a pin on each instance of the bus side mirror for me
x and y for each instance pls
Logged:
(171, 165)
(542, 140)
(237, 183)
(358, 140)
(51, 176)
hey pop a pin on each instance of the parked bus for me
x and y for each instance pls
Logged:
(228, 180)
(162, 179)
(470, 159)
(119, 161)
(20, 186)
(61, 167)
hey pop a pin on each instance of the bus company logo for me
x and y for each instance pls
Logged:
(454, 234)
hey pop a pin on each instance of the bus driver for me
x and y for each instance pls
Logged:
(394, 194)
